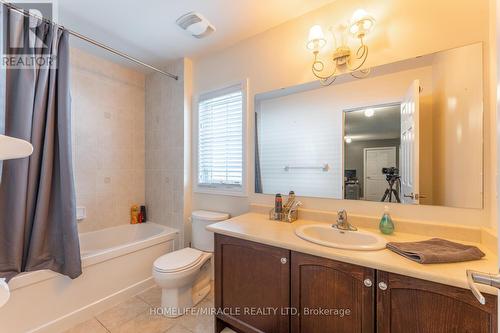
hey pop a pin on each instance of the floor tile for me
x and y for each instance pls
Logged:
(178, 329)
(134, 316)
(145, 322)
(206, 303)
(122, 313)
(91, 325)
(197, 324)
(200, 320)
(211, 293)
(151, 296)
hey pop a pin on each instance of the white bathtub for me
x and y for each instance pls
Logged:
(117, 263)
(96, 246)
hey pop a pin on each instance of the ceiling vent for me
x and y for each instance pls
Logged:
(197, 25)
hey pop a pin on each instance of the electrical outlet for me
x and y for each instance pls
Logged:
(81, 213)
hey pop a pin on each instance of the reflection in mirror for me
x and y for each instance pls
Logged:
(371, 153)
(411, 132)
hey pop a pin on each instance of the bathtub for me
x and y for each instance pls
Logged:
(117, 263)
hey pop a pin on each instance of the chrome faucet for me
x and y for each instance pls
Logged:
(342, 223)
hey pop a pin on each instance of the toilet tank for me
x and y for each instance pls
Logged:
(202, 239)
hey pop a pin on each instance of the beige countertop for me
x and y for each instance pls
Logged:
(258, 228)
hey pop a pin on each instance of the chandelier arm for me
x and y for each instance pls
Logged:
(365, 72)
(363, 47)
(316, 72)
(327, 82)
(361, 54)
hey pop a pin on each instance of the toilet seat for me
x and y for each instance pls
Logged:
(177, 261)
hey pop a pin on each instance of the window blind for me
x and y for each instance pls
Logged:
(220, 138)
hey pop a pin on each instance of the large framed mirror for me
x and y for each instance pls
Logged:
(411, 132)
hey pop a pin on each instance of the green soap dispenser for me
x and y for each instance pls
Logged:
(386, 225)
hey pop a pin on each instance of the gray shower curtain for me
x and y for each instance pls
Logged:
(37, 195)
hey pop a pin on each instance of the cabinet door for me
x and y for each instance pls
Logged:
(410, 305)
(335, 287)
(252, 285)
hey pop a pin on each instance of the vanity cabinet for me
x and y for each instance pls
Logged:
(252, 285)
(265, 289)
(408, 305)
(331, 296)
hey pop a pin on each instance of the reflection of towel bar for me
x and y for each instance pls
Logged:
(324, 167)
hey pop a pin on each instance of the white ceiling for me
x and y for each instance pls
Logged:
(147, 29)
(384, 124)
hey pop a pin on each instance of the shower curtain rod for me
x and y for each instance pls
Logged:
(91, 41)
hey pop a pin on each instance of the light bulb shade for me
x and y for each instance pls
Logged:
(369, 113)
(361, 23)
(316, 38)
(12, 148)
(316, 33)
(359, 14)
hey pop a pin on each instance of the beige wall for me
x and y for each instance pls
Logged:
(458, 128)
(278, 58)
(495, 100)
(108, 139)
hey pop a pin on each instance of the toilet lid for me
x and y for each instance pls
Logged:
(177, 260)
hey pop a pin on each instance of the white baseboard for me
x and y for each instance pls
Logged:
(89, 311)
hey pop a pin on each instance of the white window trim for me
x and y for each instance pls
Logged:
(240, 191)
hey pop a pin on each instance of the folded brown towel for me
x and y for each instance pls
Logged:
(436, 250)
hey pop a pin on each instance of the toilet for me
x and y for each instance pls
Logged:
(184, 275)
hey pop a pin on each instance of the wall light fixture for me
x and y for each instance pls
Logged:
(344, 59)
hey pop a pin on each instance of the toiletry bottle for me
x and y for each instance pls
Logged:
(144, 215)
(386, 225)
(278, 206)
(289, 202)
(134, 214)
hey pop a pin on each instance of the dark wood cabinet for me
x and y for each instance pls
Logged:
(410, 305)
(252, 285)
(261, 288)
(331, 296)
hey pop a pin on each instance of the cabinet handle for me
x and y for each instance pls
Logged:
(368, 282)
(382, 286)
(284, 261)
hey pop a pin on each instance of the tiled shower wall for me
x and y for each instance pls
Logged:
(108, 126)
(165, 148)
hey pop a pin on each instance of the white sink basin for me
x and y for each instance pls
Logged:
(324, 234)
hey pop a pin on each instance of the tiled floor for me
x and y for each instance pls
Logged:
(134, 315)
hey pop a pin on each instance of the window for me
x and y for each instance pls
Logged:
(221, 130)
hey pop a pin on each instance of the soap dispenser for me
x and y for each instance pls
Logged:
(386, 225)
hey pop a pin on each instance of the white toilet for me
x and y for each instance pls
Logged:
(185, 275)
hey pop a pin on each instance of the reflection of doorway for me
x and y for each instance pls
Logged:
(374, 160)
